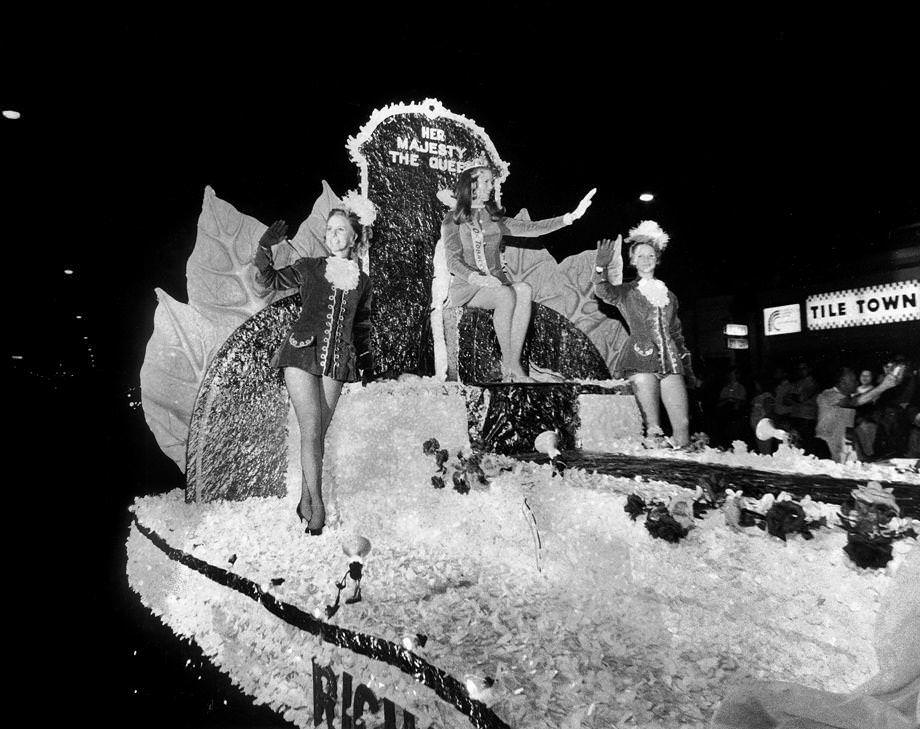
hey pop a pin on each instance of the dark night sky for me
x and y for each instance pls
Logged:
(776, 149)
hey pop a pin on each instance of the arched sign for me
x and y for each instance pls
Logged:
(406, 154)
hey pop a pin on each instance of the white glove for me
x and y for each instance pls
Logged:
(582, 208)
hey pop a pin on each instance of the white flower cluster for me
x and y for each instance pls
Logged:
(541, 582)
(360, 206)
(786, 459)
(696, 617)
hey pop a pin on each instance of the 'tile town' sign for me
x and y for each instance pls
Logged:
(883, 304)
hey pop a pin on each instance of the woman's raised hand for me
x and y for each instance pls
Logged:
(274, 235)
(608, 251)
(583, 205)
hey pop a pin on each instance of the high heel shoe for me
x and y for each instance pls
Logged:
(312, 532)
(305, 519)
(319, 514)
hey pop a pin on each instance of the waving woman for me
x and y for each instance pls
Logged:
(330, 339)
(655, 357)
(472, 235)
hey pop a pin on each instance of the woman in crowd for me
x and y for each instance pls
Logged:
(330, 338)
(472, 235)
(655, 357)
(865, 429)
(866, 381)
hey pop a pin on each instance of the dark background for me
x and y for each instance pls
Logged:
(778, 148)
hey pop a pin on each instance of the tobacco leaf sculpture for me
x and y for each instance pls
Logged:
(180, 348)
(566, 287)
(222, 294)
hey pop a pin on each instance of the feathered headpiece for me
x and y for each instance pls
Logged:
(360, 206)
(648, 231)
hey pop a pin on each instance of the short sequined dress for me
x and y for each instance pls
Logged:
(334, 326)
(475, 247)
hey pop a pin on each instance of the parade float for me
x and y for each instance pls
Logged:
(500, 555)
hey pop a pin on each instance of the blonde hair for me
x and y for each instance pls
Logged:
(363, 233)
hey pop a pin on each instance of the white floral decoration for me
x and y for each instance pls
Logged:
(360, 206)
(666, 594)
(446, 197)
(343, 273)
(648, 231)
(441, 569)
(739, 447)
(655, 291)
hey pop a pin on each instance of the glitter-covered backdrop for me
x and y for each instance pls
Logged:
(407, 154)
(553, 343)
(403, 183)
(237, 444)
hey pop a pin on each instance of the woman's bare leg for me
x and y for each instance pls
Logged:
(520, 321)
(646, 385)
(674, 397)
(329, 396)
(331, 391)
(307, 396)
(501, 301)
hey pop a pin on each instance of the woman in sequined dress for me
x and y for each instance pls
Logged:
(472, 235)
(655, 357)
(327, 344)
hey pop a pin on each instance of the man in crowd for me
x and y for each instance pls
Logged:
(804, 407)
(783, 405)
(836, 408)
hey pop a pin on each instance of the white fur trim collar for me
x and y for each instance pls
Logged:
(654, 291)
(343, 273)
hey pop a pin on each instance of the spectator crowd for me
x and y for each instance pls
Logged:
(868, 412)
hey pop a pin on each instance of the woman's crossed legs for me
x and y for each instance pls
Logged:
(314, 400)
(511, 307)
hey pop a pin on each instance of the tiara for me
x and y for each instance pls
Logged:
(472, 164)
(360, 206)
(648, 231)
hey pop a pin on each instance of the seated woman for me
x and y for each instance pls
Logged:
(655, 357)
(472, 235)
(328, 340)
